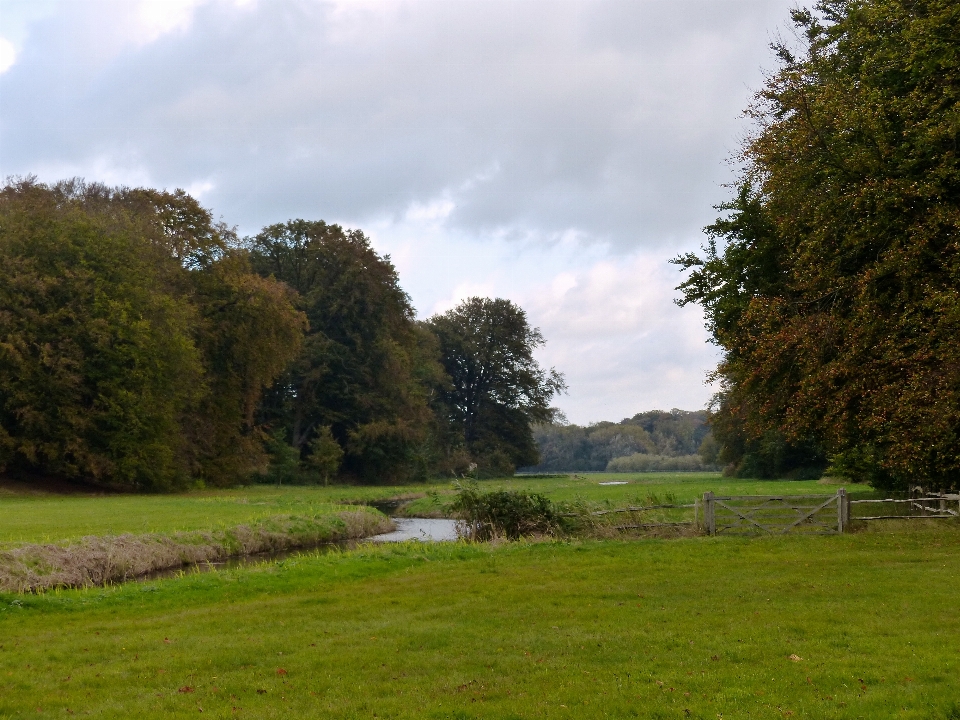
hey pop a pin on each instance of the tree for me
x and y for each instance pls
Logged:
(836, 297)
(325, 454)
(364, 370)
(497, 389)
(134, 341)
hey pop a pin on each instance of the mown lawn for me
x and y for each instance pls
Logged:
(855, 626)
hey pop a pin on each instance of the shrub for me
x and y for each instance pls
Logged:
(508, 513)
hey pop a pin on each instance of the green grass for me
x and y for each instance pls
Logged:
(700, 628)
(681, 487)
(46, 517)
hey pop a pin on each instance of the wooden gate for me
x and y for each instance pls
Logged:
(775, 514)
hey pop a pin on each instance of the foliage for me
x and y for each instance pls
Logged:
(496, 388)
(836, 296)
(325, 454)
(503, 513)
(134, 341)
(573, 447)
(365, 368)
(647, 463)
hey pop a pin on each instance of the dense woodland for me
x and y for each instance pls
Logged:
(832, 281)
(145, 346)
(660, 437)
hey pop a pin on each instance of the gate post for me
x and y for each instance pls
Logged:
(709, 515)
(843, 509)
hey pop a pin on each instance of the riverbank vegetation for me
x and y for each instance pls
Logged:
(94, 561)
(697, 628)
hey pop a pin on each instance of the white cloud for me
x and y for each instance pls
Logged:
(8, 54)
(555, 153)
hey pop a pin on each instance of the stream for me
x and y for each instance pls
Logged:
(422, 529)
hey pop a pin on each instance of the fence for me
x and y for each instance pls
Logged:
(815, 514)
(775, 514)
(918, 508)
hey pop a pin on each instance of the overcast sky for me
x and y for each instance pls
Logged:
(555, 153)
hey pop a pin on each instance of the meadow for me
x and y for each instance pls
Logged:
(49, 517)
(859, 625)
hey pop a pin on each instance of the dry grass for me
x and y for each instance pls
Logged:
(94, 561)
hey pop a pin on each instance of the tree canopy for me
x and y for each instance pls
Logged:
(365, 370)
(134, 340)
(568, 447)
(144, 346)
(496, 388)
(833, 281)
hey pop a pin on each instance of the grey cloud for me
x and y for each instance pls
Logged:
(609, 118)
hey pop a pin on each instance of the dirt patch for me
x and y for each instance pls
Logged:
(94, 561)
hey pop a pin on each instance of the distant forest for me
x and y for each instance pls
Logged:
(657, 440)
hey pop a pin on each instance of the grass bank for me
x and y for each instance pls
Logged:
(853, 626)
(99, 560)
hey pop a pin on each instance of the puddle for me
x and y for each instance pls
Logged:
(424, 529)
(615, 482)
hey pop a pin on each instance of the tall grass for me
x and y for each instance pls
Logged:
(94, 561)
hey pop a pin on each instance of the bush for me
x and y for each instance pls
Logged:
(501, 513)
(642, 462)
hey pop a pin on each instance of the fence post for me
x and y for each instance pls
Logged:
(709, 517)
(843, 509)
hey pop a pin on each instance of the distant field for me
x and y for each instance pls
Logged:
(48, 517)
(44, 517)
(640, 488)
(853, 626)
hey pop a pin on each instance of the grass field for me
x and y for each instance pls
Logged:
(863, 625)
(702, 628)
(45, 517)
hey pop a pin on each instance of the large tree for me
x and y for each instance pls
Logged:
(497, 389)
(365, 370)
(134, 340)
(835, 289)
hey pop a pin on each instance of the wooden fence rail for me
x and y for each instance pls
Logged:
(775, 514)
(941, 511)
(826, 514)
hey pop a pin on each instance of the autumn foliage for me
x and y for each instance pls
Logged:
(833, 281)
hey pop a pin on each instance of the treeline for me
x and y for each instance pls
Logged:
(145, 346)
(647, 442)
(832, 281)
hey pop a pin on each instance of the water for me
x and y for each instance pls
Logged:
(423, 529)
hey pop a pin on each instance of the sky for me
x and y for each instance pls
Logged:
(554, 153)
